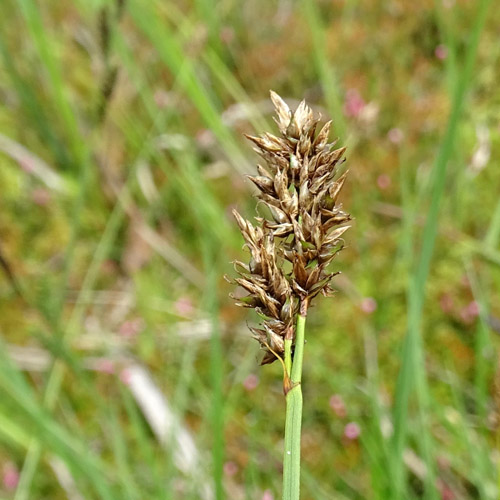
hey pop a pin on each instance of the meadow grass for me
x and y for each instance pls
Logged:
(115, 260)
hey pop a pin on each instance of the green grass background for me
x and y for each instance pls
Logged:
(116, 230)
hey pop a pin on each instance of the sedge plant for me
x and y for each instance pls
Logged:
(291, 247)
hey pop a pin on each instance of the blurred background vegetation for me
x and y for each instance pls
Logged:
(126, 372)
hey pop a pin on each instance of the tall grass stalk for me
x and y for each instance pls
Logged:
(412, 372)
(300, 187)
(293, 422)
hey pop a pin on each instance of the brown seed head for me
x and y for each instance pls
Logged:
(299, 186)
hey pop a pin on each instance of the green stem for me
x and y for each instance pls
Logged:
(293, 422)
(288, 357)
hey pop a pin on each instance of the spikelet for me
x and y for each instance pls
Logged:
(300, 186)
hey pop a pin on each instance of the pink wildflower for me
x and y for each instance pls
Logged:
(383, 181)
(163, 99)
(446, 492)
(105, 365)
(441, 52)
(353, 104)
(395, 135)
(473, 309)
(230, 468)
(27, 165)
(470, 312)
(368, 305)
(205, 139)
(125, 376)
(267, 495)
(352, 431)
(40, 196)
(338, 406)
(251, 382)
(184, 306)
(131, 328)
(10, 477)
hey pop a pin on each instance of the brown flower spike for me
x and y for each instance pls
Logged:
(299, 186)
